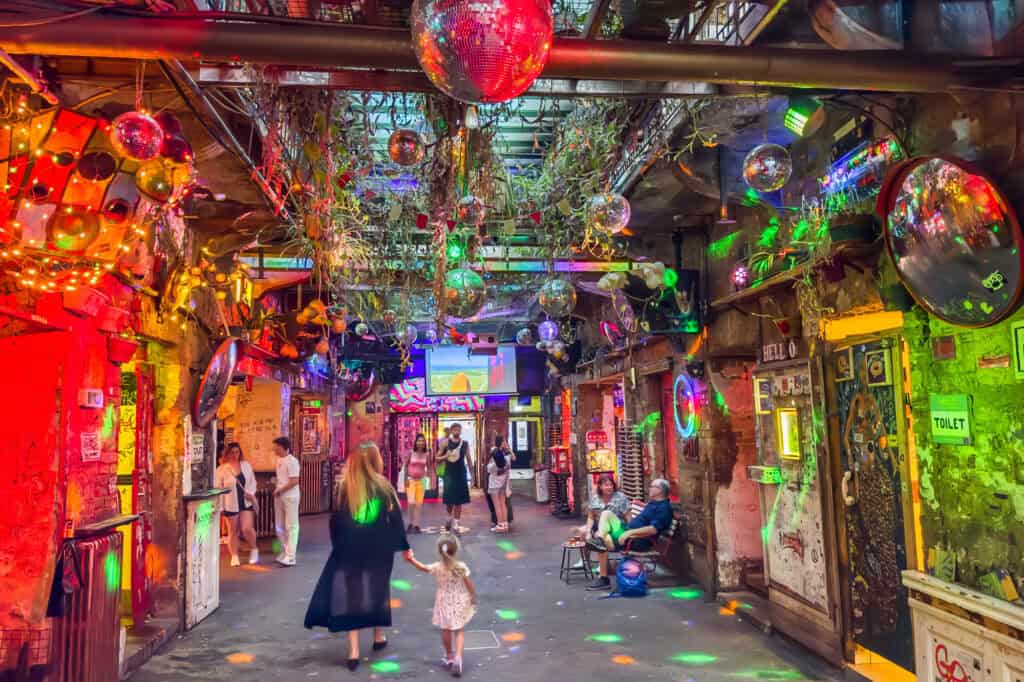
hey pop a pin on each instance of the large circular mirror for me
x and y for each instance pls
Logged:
(213, 387)
(954, 239)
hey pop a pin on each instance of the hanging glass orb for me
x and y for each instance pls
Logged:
(431, 335)
(740, 276)
(464, 292)
(767, 167)
(409, 334)
(471, 211)
(406, 147)
(608, 213)
(482, 50)
(548, 330)
(154, 180)
(177, 149)
(362, 329)
(137, 136)
(557, 297)
(73, 229)
(524, 337)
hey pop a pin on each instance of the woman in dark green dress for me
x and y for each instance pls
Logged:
(455, 455)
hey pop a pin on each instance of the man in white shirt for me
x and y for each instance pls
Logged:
(286, 501)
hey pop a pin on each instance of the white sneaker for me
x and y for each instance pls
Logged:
(279, 558)
(287, 561)
(254, 556)
(235, 561)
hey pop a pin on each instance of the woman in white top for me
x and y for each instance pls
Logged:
(498, 472)
(237, 475)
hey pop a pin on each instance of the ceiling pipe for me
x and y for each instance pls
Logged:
(266, 40)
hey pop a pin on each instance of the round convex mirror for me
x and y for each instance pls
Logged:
(213, 387)
(954, 239)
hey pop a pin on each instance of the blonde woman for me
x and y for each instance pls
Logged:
(354, 591)
(236, 475)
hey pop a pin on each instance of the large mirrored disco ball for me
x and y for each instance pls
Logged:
(406, 147)
(557, 297)
(767, 167)
(464, 292)
(482, 50)
(137, 136)
(608, 213)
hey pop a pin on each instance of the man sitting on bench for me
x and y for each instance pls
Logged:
(640, 531)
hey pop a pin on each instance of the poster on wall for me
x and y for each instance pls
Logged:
(310, 434)
(950, 418)
(258, 421)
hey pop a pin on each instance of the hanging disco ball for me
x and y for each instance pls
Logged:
(464, 293)
(406, 147)
(482, 50)
(471, 210)
(548, 330)
(608, 213)
(524, 337)
(154, 179)
(137, 136)
(557, 297)
(767, 167)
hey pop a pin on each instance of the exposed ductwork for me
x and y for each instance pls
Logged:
(267, 40)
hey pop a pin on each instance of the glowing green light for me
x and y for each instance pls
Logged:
(506, 546)
(720, 401)
(204, 514)
(801, 229)
(507, 614)
(770, 674)
(686, 594)
(401, 585)
(368, 512)
(109, 419)
(769, 234)
(385, 667)
(694, 658)
(671, 278)
(605, 638)
(112, 571)
(455, 251)
(348, 413)
(721, 248)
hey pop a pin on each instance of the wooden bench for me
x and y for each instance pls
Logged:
(658, 553)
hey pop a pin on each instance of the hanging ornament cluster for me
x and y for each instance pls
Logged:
(464, 292)
(524, 337)
(79, 193)
(557, 297)
(406, 147)
(767, 167)
(653, 274)
(608, 213)
(482, 50)
(612, 280)
(556, 349)
(471, 211)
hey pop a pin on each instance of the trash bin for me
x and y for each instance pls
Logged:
(541, 479)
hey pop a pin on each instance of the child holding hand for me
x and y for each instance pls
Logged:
(455, 602)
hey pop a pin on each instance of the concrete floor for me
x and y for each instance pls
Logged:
(543, 629)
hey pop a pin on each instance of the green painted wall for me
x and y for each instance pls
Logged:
(972, 496)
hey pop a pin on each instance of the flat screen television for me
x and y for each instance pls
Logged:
(451, 370)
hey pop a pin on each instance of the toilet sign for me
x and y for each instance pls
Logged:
(951, 418)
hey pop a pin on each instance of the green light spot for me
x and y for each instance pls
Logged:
(686, 594)
(801, 229)
(769, 234)
(721, 248)
(385, 667)
(671, 278)
(368, 512)
(204, 514)
(507, 614)
(506, 546)
(109, 419)
(112, 571)
(401, 585)
(968, 305)
(605, 638)
(455, 251)
(694, 658)
(770, 674)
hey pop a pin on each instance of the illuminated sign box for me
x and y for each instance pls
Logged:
(787, 427)
(951, 418)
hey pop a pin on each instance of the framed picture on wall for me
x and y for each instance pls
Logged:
(1017, 329)
(879, 369)
(843, 364)
(763, 396)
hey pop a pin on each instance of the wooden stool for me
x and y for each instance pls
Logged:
(569, 551)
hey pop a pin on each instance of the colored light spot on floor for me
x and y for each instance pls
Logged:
(256, 567)
(240, 658)
(512, 556)
(275, 547)
(385, 667)
(513, 637)
(396, 603)
(771, 674)
(605, 638)
(401, 585)
(729, 609)
(693, 658)
(507, 614)
(506, 546)
(686, 594)
(622, 659)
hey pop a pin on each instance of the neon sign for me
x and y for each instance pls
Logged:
(685, 390)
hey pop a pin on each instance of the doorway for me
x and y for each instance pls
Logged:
(468, 421)
(873, 459)
(524, 437)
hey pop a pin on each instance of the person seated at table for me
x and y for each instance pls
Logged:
(640, 531)
(608, 497)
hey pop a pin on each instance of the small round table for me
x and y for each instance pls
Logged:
(570, 551)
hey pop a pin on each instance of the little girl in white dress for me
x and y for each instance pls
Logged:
(455, 602)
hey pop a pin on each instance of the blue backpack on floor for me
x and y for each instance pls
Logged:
(631, 578)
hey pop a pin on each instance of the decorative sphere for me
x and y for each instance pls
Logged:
(409, 334)
(177, 149)
(767, 167)
(471, 210)
(608, 213)
(464, 292)
(557, 297)
(405, 147)
(740, 276)
(389, 316)
(431, 335)
(482, 50)
(524, 337)
(548, 330)
(137, 136)
(117, 211)
(362, 329)
(73, 229)
(154, 180)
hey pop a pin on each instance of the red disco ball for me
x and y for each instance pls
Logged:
(137, 136)
(482, 50)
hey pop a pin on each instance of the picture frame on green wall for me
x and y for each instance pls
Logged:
(1017, 337)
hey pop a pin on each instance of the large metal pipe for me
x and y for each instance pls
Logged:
(327, 45)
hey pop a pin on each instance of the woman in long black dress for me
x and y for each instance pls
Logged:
(455, 455)
(354, 590)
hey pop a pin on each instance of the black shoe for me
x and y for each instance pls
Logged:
(352, 664)
(408, 529)
(417, 530)
(597, 544)
(377, 646)
(600, 584)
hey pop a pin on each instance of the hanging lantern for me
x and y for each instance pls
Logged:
(137, 136)
(524, 337)
(464, 292)
(482, 50)
(608, 213)
(471, 211)
(767, 167)
(557, 297)
(406, 147)
(73, 229)
(548, 330)
(154, 180)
